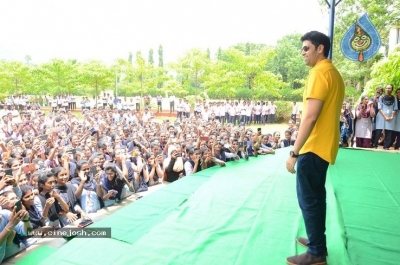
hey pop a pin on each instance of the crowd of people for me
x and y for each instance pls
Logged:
(58, 167)
(374, 121)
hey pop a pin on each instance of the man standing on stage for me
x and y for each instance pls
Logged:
(317, 144)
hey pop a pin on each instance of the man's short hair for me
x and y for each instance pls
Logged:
(317, 38)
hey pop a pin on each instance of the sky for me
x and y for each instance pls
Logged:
(107, 30)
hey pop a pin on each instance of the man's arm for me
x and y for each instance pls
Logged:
(313, 110)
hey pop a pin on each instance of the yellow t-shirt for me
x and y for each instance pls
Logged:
(324, 83)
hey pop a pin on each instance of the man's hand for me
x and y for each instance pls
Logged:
(290, 163)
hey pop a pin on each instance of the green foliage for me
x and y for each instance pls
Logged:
(160, 56)
(288, 62)
(57, 77)
(283, 111)
(290, 94)
(15, 77)
(151, 59)
(386, 71)
(95, 77)
(237, 72)
(352, 92)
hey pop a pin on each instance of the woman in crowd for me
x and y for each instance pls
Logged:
(192, 165)
(36, 218)
(288, 139)
(363, 124)
(49, 203)
(70, 195)
(112, 184)
(208, 160)
(89, 200)
(396, 133)
(173, 165)
(385, 118)
(153, 171)
(275, 144)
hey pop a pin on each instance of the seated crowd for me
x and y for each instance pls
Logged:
(57, 168)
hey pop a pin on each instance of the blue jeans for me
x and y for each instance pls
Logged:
(311, 194)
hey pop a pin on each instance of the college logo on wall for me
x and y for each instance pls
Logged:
(361, 41)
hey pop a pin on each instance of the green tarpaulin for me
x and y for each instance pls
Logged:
(247, 213)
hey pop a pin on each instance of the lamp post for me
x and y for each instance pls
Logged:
(331, 7)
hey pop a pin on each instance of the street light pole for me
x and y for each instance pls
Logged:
(331, 7)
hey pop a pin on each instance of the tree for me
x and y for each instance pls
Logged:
(161, 64)
(386, 71)
(230, 77)
(15, 77)
(95, 76)
(151, 59)
(191, 69)
(28, 59)
(142, 76)
(160, 56)
(288, 61)
(57, 76)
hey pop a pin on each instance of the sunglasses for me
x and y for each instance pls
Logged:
(305, 48)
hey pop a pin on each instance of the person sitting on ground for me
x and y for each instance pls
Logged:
(153, 171)
(49, 202)
(70, 195)
(288, 139)
(173, 165)
(11, 223)
(275, 140)
(112, 184)
(266, 147)
(89, 200)
(208, 160)
(193, 164)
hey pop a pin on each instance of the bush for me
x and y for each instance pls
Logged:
(283, 112)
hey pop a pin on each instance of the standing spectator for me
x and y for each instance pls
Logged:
(73, 102)
(346, 116)
(137, 101)
(272, 112)
(171, 103)
(363, 124)
(387, 108)
(396, 133)
(179, 109)
(159, 103)
(294, 112)
(374, 110)
(267, 112)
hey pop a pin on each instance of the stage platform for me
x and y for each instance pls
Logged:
(247, 213)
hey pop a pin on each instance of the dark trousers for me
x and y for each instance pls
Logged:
(271, 118)
(311, 194)
(171, 106)
(388, 138)
(396, 136)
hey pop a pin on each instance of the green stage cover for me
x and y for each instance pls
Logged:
(247, 213)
